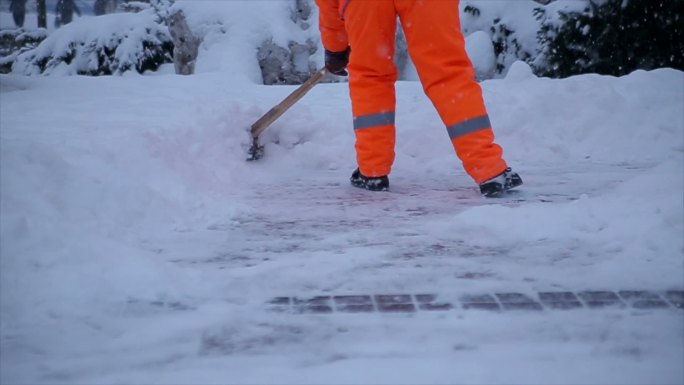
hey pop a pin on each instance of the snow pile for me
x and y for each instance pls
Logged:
(618, 131)
(103, 45)
(481, 53)
(635, 226)
(233, 31)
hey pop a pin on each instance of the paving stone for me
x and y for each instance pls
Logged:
(354, 303)
(517, 301)
(395, 303)
(640, 299)
(319, 304)
(479, 302)
(280, 301)
(676, 298)
(280, 304)
(600, 299)
(560, 300)
(429, 302)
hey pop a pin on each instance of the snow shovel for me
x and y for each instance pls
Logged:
(256, 151)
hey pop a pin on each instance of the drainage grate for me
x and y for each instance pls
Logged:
(513, 301)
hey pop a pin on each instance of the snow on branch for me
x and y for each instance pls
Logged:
(103, 45)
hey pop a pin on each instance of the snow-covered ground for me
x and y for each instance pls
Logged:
(139, 247)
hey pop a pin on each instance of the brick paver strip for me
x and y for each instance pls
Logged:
(598, 299)
(641, 299)
(517, 301)
(502, 301)
(676, 298)
(480, 302)
(401, 303)
(354, 303)
(560, 300)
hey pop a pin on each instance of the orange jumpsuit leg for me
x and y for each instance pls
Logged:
(371, 28)
(437, 47)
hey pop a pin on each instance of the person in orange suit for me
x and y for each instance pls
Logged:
(359, 35)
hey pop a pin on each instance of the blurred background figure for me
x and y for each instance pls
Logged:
(65, 12)
(18, 9)
(103, 7)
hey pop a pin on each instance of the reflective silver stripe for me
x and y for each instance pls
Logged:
(374, 120)
(469, 126)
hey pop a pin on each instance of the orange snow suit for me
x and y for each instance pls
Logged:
(437, 47)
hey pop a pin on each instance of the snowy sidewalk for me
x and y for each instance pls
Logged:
(139, 247)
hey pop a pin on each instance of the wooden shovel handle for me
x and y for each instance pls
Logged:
(262, 124)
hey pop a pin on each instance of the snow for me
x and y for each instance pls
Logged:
(517, 16)
(233, 31)
(480, 49)
(86, 42)
(138, 246)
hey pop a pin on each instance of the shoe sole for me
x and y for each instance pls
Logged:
(501, 192)
(365, 187)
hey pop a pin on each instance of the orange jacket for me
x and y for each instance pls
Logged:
(331, 24)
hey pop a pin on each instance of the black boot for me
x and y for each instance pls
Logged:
(373, 184)
(500, 184)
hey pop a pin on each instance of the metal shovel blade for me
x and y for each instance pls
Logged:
(256, 151)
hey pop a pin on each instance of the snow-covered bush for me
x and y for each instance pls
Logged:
(612, 37)
(103, 45)
(512, 29)
(278, 42)
(15, 41)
